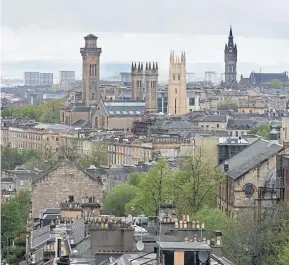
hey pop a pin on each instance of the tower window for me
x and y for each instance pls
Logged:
(179, 77)
(174, 77)
(175, 106)
(176, 90)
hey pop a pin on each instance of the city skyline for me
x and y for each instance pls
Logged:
(55, 40)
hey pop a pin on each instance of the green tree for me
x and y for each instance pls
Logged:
(262, 130)
(284, 256)
(195, 182)
(97, 157)
(48, 112)
(275, 83)
(115, 201)
(153, 190)
(134, 179)
(10, 219)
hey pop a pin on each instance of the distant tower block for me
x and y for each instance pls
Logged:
(230, 61)
(90, 71)
(177, 90)
(137, 81)
(151, 75)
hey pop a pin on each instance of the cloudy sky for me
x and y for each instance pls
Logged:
(49, 33)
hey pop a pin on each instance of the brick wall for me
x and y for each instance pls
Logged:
(61, 183)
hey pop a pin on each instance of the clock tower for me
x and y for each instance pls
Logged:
(231, 62)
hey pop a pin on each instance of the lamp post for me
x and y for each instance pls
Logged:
(226, 169)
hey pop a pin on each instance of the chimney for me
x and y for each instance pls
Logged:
(274, 136)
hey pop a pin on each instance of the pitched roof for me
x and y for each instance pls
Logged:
(46, 172)
(124, 107)
(250, 157)
(215, 118)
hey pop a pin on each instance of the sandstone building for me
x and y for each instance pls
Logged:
(177, 89)
(64, 182)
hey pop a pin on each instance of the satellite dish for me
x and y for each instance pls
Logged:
(139, 245)
(203, 256)
(129, 219)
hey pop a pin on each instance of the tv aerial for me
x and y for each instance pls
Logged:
(139, 245)
(129, 219)
(203, 256)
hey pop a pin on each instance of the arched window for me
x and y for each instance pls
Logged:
(174, 77)
(179, 76)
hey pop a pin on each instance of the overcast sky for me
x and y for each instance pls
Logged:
(140, 30)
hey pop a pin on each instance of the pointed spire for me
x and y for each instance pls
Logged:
(157, 67)
(132, 66)
(231, 32)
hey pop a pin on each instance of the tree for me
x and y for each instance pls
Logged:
(153, 190)
(97, 157)
(115, 201)
(195, 182)
(12, 157)
(262, 130)
(284, 256)
(134, 179)
(275, 83)
(48, 112)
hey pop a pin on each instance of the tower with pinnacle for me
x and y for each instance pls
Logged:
(137, 81)
(151, 75)
(230, 62)
(90, 71)
(177, 90)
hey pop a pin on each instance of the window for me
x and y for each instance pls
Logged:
(174, 77)
(218, 125)
(21, 183)
(192, 101)
(176, 90)
(249, 190)
(179, 76)
(71, 198)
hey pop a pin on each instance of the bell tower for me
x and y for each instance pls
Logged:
(230, 62)
(90, 71)
(137, 81)
(151, 75)
(177, 90)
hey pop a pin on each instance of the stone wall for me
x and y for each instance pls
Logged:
(58, 185)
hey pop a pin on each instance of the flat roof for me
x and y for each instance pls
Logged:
(184, 245)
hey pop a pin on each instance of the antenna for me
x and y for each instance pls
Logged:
(139, 245)
(203, 256)
(129, 219)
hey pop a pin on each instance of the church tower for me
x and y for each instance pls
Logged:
(90, 71)
(230, 62)
(137, 81)
(151, 75)
(177, 90)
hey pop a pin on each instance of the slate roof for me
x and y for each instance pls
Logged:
(241, 124)
(124, 107)
(215, 118)
(7, 180)
(81, 124)
(80, 108)
(250, 157)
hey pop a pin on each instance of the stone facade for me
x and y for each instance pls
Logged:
(237, 197)
(62, 183)
(90, 71)
(177, 90)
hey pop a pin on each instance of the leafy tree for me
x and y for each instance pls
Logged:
(284, 256)
(97, 157)
(134, 179)
(153, 190)
(12, 157)
(275, 83)
(195, 182)
(48, 112)
(10, 219)
(262, 130)
(115, 201)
